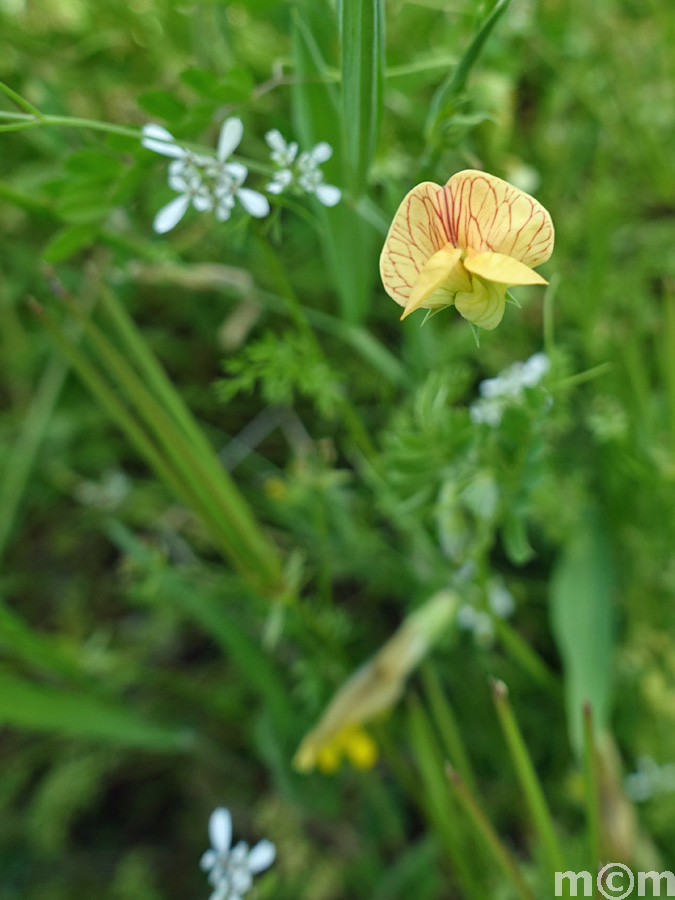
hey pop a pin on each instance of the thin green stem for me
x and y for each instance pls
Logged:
(36, 120)
(582, 377)
(526, 657)
(446, 723)
(528, 778)
(592, 792)
(438, 799)
(488, 834)
(549, 315)
(19, 100)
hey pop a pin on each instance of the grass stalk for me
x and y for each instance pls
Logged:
(528, 778)
(446, 723)
(489, 836)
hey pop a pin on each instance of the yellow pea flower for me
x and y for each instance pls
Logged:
(372, 690)
(464, 244)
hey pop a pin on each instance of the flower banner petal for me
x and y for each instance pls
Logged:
(486, 213)
(501, 269)
(420, 228)
(438, 282)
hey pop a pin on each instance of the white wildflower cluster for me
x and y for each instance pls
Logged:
(479, 621)
(507, 389)
(214, 184)
(231, 869)
(300, 171)
(649, 779)
(210, 184)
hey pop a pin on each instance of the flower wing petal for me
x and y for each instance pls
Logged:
(170, 215)
(487, 213)
(220, 829)
(420, 228)
(261, 856)
(230, 137)
(441, 277)
(501, 269)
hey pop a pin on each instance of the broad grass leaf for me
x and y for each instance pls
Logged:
(362, 34)
(34, 707)
(582, 617)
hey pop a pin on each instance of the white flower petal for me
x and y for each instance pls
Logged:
(328, 194)
(254, 203)
(202, 200)
(261, 856)
(241, 881)
(230, 137)
(274, 187)
(275, 140)
(220, 829)
(238, 171)
(321, 153)
(160, 140)
(208, 860)
(170, 215)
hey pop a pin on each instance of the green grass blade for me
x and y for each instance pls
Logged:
(437, 797)
(488, 834)
(124, 419)
(38, 708)
(251, 553)
(445, 721)
(527, 776)
(362, 33)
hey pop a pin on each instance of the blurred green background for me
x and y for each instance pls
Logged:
(142, 681)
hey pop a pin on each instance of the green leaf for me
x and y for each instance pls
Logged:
(35, 707)
(162, 104)
(84, 202)
(582, 619)
(454, 83)
(94, 163)
(362, 32)
(236, 86)
(68, 242)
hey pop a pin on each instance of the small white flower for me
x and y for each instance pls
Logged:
(302, 170)
(231, 869)
(280, 181)
(186, 179)
(500, 598)
(229, 185)
(507, 388)
(282, 154)
(310, 178)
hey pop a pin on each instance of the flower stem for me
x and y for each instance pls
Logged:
(487, 832)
